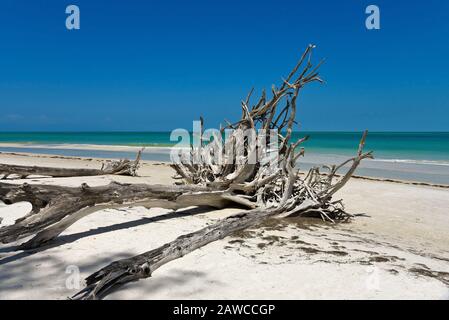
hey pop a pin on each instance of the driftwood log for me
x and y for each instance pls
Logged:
(55, 208)
(121, 167)
(142, 266)
(239, 171)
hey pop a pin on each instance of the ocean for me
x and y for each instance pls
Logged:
(420, 156)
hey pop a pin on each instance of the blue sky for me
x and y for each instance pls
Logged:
(157, 65)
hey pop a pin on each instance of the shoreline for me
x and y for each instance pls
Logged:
(411, 171)
(152, 162)
(81, 146)
(167, 148)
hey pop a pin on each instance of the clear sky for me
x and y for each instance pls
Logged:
(156, 65)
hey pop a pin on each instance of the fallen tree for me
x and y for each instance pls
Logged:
(257, 171)
(121, 167)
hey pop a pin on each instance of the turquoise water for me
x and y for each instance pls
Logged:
(428, 146)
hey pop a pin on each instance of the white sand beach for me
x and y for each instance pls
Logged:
(398, 248)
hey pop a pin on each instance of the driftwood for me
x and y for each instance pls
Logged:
(239, 171)
(120, 167)
(55, 208)
(142, 266)
(100, 283)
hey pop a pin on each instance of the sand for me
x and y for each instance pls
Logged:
(398, 248)
(431, 172)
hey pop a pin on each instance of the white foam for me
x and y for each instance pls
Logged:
(424, 162)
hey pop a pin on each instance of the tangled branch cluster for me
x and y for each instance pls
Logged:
(269, 182)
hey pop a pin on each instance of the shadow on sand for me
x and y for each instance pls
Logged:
(69, 238)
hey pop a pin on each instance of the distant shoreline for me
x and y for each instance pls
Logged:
(413, 171)
(87, 146)
(166, 149)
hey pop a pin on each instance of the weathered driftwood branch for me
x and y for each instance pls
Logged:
(120, 167)
(55, 208)
(142, 266)
(241, 170)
